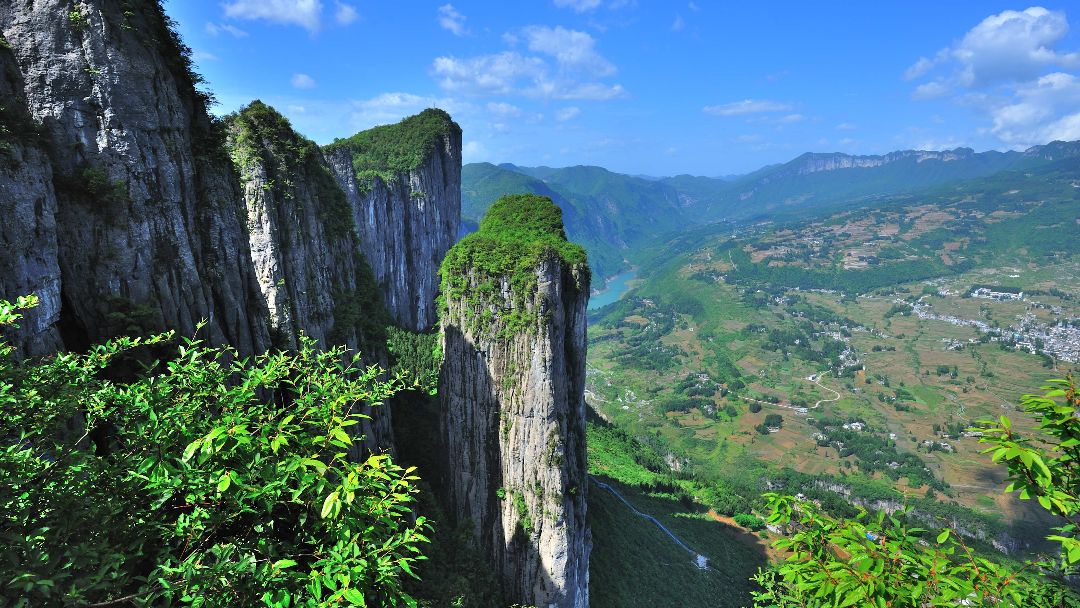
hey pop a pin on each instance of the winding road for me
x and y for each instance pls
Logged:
(663, 528)
(814, 379)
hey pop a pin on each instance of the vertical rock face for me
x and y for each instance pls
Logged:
(403, 183)
(304, 246)
(149, 219)
(303, 240)
(512, 392)
(28, 262)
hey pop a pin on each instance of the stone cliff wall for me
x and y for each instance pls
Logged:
(304, 247)
(512, 394)
(149, 219)
(407, 221)
(28, 263)
(303, 239)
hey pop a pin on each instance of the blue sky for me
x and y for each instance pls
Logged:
(655, 88)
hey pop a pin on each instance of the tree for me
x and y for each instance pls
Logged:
(881, 560)
(209, 480)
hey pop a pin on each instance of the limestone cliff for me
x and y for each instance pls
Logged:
(303, 239)
(403, 183)
(148, 216)
(512, 394)
(304, 247)
(28, 264)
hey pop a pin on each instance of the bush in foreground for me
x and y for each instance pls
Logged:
(208, 481)
(882, 561)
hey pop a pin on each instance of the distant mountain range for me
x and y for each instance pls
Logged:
(612, 214)
(608, 213)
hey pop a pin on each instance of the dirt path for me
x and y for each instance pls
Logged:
(815, 380)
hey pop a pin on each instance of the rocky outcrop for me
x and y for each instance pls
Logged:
(512, 394)
(303, 240)
(304, 248)
(403, 183)
(149, 219)
(28, 264)
(813, 162)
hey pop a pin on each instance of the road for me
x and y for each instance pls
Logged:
(663, 528)
(814, 379)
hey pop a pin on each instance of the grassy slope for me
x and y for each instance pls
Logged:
(633, 563)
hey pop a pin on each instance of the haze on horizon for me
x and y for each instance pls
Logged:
(690, 87)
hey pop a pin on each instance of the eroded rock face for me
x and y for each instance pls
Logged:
(303, 239)
(304, 247)
(28, 258)
(514, 425)
(406, 225)
(149, 218)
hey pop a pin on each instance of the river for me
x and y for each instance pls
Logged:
(616, 287)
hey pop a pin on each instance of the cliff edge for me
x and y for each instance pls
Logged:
(512, 394)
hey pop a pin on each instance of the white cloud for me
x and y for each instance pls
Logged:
(1046, 110)
(472, 151)
(571, 49)
(568, 113)
(198, 56)
(579, 6)
(747, 106)
(302, 81)
(345, 14)
(693, 6)
(305, 13)
(1010, 67)
(392, 107)
(846, 126)
(678, 24)
(1013, 46)
(790, 119)
(930, 90)
(503, 109)
(497, 74)
(451, 20)
(920, 67)
(572, 74)
(215, 29)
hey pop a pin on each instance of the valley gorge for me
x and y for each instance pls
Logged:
(131, 210)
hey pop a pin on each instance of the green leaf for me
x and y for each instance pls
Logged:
(224, 482)
(944, 536)
(191, 448)
(329, 504)
(283, 564)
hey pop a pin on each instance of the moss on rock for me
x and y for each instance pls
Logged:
(518, 233)
(387, 150)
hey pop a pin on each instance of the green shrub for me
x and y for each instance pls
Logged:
(749, 522)
(416, 356)
(211, 479)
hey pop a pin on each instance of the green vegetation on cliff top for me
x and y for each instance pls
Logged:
(389, 149)
(517, 234)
